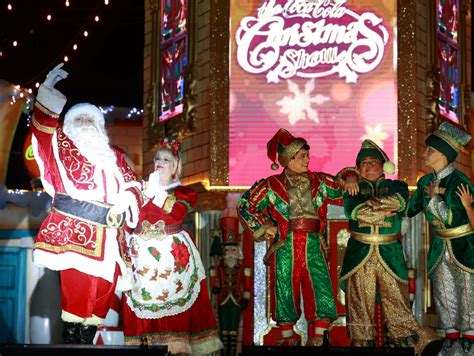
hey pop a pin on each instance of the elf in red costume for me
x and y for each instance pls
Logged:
(290, 209)
(169, 303)
(94, 193)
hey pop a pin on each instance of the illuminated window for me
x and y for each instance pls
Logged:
(447, 26)
(174, 53)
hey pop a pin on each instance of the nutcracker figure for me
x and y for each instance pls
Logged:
(230, 281)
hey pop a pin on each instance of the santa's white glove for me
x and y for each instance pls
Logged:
(122, 204)
(54, 76)
(153, 186)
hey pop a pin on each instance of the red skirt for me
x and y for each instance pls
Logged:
(192, 331)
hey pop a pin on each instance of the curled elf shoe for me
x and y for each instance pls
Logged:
(315, 341)
(288, 341)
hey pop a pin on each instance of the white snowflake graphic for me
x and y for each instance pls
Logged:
(299, 106)
(375, 134)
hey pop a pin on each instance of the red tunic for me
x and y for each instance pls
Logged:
(65, 242)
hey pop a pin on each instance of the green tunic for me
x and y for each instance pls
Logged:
(390, 254)
(445, 213)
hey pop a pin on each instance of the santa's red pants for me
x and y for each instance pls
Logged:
(84, 295)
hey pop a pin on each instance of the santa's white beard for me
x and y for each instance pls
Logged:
(93, 144)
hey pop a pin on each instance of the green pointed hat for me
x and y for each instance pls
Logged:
(370, 149)
(448, 139)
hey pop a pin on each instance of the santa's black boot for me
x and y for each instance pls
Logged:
(87, 334)
(71, 333)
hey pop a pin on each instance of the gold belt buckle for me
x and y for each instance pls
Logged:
(114, 220)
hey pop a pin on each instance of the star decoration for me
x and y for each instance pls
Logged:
(299, 106)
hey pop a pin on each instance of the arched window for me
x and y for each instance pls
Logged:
(447, 50)
(174, 56)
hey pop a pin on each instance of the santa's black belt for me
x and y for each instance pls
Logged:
(89, 211)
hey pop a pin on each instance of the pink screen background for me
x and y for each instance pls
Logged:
(349, 112)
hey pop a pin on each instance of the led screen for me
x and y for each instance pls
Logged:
(324, 70)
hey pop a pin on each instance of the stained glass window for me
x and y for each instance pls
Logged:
(447, 26)
(173, 50)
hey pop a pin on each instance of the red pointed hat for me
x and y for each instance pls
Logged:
(285, 145)
(230, 230)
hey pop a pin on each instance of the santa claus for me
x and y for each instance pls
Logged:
(95, 194)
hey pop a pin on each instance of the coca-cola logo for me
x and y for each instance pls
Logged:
(310, 39)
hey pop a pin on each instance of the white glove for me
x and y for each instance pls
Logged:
(122, 204)
(154, 185)
(54, 76)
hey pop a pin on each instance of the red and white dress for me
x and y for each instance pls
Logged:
(86, 253)
(169, 303)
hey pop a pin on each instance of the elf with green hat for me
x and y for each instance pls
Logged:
(374, 262)
(289, 209)
(451, 254)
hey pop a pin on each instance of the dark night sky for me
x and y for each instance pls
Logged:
(108, 67)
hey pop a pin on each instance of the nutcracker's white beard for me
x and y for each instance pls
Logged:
(92, 141)
(230, 261)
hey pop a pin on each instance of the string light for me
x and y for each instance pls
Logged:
(49, 17)
(37, 85)
(30, 91)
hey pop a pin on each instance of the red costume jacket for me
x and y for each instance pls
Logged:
(66, 241)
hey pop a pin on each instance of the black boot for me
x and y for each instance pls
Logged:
(87, 333)
(71, 333)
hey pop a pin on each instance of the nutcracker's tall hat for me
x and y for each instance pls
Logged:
(285, 145)
(230, 231)
(370, 149)
(448, 139)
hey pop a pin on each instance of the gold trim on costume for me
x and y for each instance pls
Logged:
(290, 151)
(374, 238)
(448, 139)
(388, 269)
(43, 128)
(97, 252)
(455, 260)
(455, 232)
(168, 206)
(360, 265)
(45, 110)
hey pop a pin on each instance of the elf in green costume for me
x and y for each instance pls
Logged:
(374, 260)
(451, 254)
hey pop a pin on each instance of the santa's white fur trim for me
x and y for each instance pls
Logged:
(71, 318)
(85, 109)
(52, 99)
(46, 184)
(93, 320)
